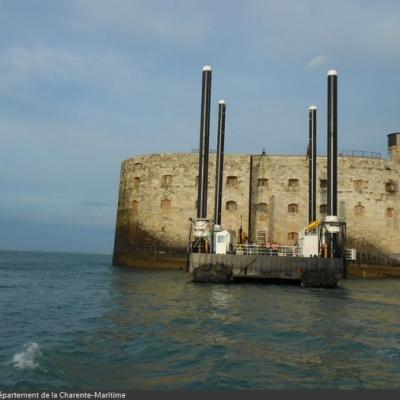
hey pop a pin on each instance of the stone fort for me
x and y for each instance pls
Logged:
(265, 195)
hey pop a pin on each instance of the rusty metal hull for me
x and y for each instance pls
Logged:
(313, 272)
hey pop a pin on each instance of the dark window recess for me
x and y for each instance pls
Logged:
(390, 212)
(135, 205)
(166, 180)
(323, 183)
(262, 208)
(293, 208)
(293, 236)
(322, 209)
(293, 184)
(262, 182)
(136, 181)
(391, 186)
(165, 203)
(231, 182)
(231, 205)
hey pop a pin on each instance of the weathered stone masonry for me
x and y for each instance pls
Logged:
(266, 194)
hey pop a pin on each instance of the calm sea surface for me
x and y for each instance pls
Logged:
(74, 321)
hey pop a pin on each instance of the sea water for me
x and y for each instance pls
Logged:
(74, 321)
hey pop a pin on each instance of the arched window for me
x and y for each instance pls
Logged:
(165, 203)
(262, 208)
(137, 165)
(262, 182)
(231, 205)
(293, 184)
(231, 181)
(323, 184)
(390, 212)
(359, 210)
(166, 181)
(293, 208)
(135, 205)
(293, 236)
(136, 181)
(322, 209)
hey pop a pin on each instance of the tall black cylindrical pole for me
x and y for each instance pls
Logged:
(220, 162)
(312, 164)
(204, 143)
(332, 144)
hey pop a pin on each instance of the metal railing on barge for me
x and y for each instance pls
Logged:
(256, 249)
(278, 250)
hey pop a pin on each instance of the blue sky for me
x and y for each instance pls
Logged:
(87, 84)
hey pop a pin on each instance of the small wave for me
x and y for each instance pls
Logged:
(26, 359)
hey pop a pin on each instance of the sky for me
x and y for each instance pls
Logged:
(85, 85)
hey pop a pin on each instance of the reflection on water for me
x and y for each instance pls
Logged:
(113, 328)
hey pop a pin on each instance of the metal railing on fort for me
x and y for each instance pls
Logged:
(256, 249)
(378, 259)
(361, 153)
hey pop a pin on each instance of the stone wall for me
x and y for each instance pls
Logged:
(158, 194)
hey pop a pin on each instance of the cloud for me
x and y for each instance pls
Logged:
(316, 62)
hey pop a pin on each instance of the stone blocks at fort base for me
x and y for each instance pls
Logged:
(266, 195)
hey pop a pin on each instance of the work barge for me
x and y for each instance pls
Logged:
(319, 259)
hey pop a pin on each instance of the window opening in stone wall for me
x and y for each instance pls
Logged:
(135, 205)
(293, 208)
(323, 184)
(359, 210)
(231, 181)
(293, 184)
(391, 186)
(262, 208)
(166, 180)
(231, 205)
(359, 185)
(322, 209)
(165, 203)
(262, 182)
(261, 237)
(293, 236)
(136, 181)
(195, 205)
(137, 165)
(390, 212)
